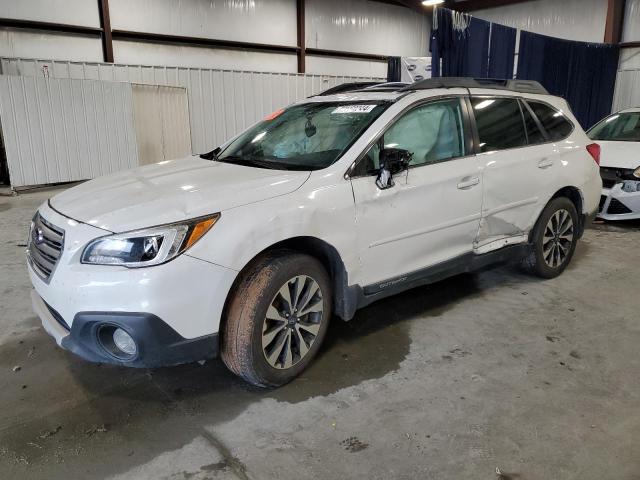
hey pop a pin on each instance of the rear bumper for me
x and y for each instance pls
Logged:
(158, 345)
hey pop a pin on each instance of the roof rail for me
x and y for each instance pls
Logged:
(345, 87)
(524, 86)
(385, 87)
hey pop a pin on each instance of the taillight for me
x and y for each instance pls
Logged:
(594, 151)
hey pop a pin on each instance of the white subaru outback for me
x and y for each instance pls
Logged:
(321, 208)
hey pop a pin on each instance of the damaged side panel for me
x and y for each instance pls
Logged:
(499, 230)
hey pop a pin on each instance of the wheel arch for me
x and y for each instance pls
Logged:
(574, 194)
(577, 198)
(345, 298)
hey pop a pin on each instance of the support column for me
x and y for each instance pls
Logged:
(615, 18)
(301, 35)
(105, 24)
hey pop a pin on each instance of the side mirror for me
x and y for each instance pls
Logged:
(392, 162)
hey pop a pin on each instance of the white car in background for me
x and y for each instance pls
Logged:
(318, 210)
(619, 139)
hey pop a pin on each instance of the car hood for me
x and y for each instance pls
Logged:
(619, 154)
(171, 191)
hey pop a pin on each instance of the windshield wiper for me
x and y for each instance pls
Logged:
(249, 162)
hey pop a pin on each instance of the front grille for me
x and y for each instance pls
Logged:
(608, 183)
(616, 207)
(603, 200)
(44, 247)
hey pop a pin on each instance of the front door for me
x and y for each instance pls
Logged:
(432, 213)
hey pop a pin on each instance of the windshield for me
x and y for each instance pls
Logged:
(621, 127)
(310, 136)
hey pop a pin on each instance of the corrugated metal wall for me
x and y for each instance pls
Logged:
(222, 103)
(627, 90)
(631, 29)
(351, 25)
(161, 116)
(60, 130)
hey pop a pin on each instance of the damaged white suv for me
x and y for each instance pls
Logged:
(319, 209)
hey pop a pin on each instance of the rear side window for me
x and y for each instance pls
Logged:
(553, 121)
(534, 134)
(499, 123)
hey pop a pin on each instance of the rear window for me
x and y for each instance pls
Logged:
(499, 123)
(553, 121)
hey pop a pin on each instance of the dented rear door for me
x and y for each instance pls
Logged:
(515, 175)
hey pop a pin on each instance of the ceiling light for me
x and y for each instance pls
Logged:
(430, 3)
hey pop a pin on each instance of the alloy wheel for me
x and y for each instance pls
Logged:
(558, 238)
(292, 322)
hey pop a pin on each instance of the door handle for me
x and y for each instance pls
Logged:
(468, 182)
(545, 163)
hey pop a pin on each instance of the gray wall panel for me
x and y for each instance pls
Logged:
(59, 130)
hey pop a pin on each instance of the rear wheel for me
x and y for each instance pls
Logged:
(277, 318)
(554, 239)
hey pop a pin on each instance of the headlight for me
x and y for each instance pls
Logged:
(151, 246)
(636, 172)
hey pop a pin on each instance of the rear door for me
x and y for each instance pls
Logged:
(433, 211)
(518, 167)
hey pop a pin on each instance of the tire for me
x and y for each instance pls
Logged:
(255, 322)
(553, 244)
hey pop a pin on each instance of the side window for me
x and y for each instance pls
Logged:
(432, 132)
(553, 121)
(534, 134)
(499, 123)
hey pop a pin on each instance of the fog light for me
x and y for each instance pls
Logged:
(124, 342)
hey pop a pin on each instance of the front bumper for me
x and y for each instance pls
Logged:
(172, 310)
(158, 345)
(620, 202)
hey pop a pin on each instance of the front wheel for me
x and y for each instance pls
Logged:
(277, 318)
(554, 239)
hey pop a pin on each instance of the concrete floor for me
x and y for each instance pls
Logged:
(451, 381)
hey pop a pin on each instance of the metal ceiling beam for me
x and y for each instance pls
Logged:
(49, 26)
(200, 41)
(321, 52)
(412, 4)
(462, 6)
(471, 5)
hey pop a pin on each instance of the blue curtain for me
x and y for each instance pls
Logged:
(502, 51)
(463, 54)
(583, 73)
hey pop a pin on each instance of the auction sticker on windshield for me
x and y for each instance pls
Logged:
(354, 109)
